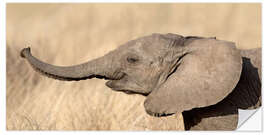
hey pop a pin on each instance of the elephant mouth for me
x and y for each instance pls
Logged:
(115, 84)
(115, 76)
(121, 85)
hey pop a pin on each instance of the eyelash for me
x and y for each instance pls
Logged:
(132, 60)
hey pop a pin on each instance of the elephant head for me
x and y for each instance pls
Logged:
(176, 73)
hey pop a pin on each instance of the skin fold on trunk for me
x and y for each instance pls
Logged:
(96, 68)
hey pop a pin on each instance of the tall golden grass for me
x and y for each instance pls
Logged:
(68, 34)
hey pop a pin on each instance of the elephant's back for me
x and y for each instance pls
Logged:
(250, 81)
(255, 57)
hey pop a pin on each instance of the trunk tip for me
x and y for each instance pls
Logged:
(25, 51)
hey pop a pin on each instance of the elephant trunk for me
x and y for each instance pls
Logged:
(97, 68)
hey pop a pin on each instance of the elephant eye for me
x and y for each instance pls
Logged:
(132, 59)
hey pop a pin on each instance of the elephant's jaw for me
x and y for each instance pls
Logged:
(127, 86)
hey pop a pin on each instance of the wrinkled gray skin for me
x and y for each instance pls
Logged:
(204, 78)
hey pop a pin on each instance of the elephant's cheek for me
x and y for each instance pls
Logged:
(115, 85)
(110, 84)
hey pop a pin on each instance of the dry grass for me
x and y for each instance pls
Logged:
(71, 34)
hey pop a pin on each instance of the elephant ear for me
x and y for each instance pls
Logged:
(209, 70)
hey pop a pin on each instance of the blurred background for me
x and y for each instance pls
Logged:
(68, 34)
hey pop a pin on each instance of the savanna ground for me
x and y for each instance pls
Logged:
(68, 34)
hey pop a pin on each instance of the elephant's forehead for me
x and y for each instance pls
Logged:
(146, 48)
(149, 46)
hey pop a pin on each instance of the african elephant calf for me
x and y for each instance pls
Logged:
(205, 79)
